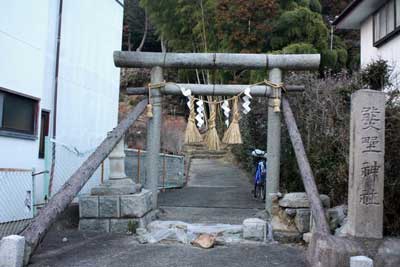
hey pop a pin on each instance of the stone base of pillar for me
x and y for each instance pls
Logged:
(109, 209)
(116, 225)
(118, 205)
(332, 251)
(117, 187)
(290, 215)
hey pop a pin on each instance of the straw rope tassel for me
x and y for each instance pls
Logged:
(232, 135)
(192, 134)
(212, 139)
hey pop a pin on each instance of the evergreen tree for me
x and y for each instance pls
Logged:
(257, 26)
(243, 25)
(300, 28)
(185, 25)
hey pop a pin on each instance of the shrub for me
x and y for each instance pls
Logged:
(376, 75)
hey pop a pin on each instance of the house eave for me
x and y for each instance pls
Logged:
(356, 12)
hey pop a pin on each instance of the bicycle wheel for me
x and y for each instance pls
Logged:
(262, 191)
(257, 191)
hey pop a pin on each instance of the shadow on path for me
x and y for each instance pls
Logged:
(217, 192)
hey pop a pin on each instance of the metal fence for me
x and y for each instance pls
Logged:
(171, 172)
(16, 200)
(66, 161)
(17, 186)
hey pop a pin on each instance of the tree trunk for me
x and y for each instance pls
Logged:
(146, 26)
(39, 226)
(305, 170)
(163, 45)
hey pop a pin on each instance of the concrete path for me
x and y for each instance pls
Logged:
(98, 250)
(217, 192)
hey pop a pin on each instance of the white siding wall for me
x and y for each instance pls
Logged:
(27, 56)
(389, 51)
(88, 83)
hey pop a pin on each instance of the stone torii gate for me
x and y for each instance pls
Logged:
(275, 64)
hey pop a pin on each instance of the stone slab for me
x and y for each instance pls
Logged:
(88, 206)
(337, 216)
(302, 220)
(125, 206)
(116, 187)
(291, 212)
(366, 164)
(94, 225)
(148, 218)
(254, 229)
(115, 225)
(137, 205)
(12, 251)
(300, 200)
(286, 237)
(361, 261)
(307, 237)
(388, 253)
(109, 207)
(123, 225)
(331, 251)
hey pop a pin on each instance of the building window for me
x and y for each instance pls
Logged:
(17, 115)
(44, 132)
(386, 22)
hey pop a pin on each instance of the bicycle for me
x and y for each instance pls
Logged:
(260, 174)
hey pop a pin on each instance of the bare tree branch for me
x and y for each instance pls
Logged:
(146, 28)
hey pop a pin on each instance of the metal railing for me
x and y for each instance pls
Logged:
(171, 168)
(66, 160)
(17, 205)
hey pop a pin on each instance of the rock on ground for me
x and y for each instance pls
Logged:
(389, 253)
(361, 261)
(300, 200)
(302, 220)
(12, 251)
(254, 229)
(337, 216)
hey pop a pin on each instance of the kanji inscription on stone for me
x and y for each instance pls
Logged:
(366, 166)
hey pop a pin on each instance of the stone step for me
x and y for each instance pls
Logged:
(209, 152)
(207, 156)
(197, 146)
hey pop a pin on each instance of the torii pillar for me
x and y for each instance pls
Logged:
(273, 141)
(154, 136)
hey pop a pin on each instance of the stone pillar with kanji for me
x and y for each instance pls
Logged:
(366, 164)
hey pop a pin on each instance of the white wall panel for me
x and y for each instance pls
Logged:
(89, 82)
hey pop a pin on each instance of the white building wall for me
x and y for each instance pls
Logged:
(88, 90)
(87, 106)
(389, 51)
(27, 56)
(88, 87)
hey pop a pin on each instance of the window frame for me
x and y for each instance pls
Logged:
(388, 36)
(15, 133)
(44, 131)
